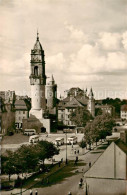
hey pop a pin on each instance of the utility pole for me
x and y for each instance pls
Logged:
(66, 147)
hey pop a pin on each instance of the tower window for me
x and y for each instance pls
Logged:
(36, 70)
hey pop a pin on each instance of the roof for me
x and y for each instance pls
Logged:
(37, 45)
(124, 107)
(74, 103)
(82, 99)
(20, 105)
(104, 106)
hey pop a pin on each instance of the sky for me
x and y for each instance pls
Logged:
(85, 44)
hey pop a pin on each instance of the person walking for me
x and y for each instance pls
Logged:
(31, 192)
(36, 192)
(89, 164)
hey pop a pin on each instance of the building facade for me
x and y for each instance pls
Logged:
(75, 98)
(21, 112)
(7, 96)
(123, 112)
(106, 109)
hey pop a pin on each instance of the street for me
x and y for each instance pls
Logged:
(71, 183)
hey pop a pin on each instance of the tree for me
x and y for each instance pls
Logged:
(28, 156)
(99, 128)
(82, 144)
(98, 111)
(46, 150)
(7, 162)
(80, 116)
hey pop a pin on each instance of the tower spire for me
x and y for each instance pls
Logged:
(37, 35)
(52, 78)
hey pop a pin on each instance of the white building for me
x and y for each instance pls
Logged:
(106, 109)
(21, 112)
(123, 112)
(108, 175)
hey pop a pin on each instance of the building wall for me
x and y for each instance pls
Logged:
(38, 96)
(67, 120)
(123, 114)
(61, 115)
(19, 116)
(7, 118)
(121, 163)
(106, 186)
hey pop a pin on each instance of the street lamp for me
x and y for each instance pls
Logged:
(66, 146)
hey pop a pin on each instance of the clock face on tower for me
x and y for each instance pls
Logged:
(35, 58)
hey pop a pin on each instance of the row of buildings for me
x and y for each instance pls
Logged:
(19, 106)
(44, 109)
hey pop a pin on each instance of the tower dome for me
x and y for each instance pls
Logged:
(37, 45)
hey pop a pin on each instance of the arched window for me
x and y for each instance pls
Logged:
(36, 70)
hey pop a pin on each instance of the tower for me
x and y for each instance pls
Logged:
(85, 92)
(37, 76)
(51, 93)
(91, 103)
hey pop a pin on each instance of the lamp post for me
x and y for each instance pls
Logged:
(66, 146)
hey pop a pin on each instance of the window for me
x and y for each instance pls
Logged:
(36, 70)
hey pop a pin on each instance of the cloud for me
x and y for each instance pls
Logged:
(124, 40)
(76, 34)
(110, 41)
(89, 59)
(55, 62)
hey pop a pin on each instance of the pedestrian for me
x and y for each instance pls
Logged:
(80, 184)
(31, 192)
(36, 192)
(89, 164)
(69, 193)
(78, 151)
(61, 160)
(81, 180)
(75, 151)
(76, 158)
(59, 163)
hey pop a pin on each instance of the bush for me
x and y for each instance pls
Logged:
(10, 133)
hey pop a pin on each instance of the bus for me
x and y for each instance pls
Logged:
(29, 132)
(72, 140)
(59, 141)
(34, 139)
